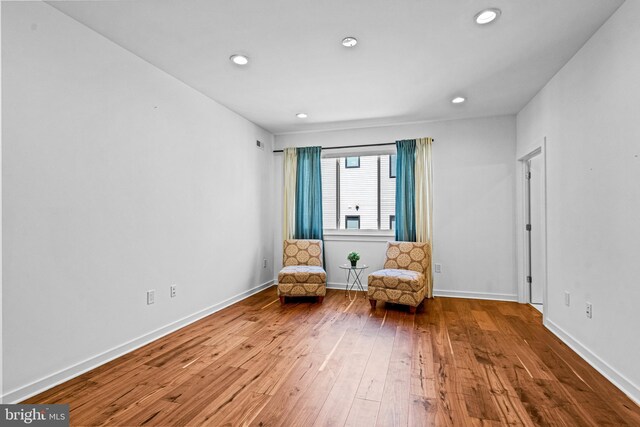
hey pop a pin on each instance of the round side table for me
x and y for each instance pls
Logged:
(354, 275)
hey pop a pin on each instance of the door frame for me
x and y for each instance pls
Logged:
(523, 246)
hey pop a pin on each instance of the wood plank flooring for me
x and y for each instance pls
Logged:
(456, 362)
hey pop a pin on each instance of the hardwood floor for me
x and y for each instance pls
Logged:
(456, 362)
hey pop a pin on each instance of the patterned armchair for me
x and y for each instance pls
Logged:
(406, 277)
(302, 273)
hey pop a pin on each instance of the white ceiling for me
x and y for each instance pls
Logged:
(413, 56)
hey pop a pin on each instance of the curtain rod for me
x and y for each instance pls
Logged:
(352, 146)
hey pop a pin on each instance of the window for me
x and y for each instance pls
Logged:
(392, 222)
(352, 162)
(352, 222)
(392, 166)
(364, 192)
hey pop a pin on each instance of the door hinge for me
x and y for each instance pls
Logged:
(529, 280)
(527, 175)
(528, 227)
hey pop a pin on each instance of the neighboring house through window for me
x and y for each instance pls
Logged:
(352, 162)
(352, 222)
(358, 187)
(392, 166)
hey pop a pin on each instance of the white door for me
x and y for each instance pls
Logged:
(536, 250)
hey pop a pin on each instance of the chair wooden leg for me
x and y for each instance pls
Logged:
(412, 309)
(281, 300)
(373, 303)
(320, 299)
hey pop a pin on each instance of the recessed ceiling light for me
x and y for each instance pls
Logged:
(349, 41)
(239, 59)
(487, 16)
(458, 100)
(301, 116)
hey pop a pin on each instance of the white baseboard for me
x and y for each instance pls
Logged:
(342, 286)
(475, 295)
(449, 294)
(24, 392)
(73, 371)
(619, 380)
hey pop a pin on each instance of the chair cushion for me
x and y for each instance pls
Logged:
(391, 278)
(302, 274)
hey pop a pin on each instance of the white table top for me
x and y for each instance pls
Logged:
(357, 267)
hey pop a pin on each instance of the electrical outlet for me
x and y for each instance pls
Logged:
(151, 296)
(264, 263)
(589, 310)
(173, 290)
(438, 268)
(567, 299)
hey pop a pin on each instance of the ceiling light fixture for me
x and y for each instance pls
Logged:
(487, 16)
(349, 41)
(301, 116)
(458, 100)
(239, 59)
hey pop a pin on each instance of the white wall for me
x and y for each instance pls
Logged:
(1, 340)
(474, 208)
(589, 114)
(117, 178)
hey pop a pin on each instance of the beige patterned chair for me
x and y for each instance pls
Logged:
(406, 277)
(302, 274)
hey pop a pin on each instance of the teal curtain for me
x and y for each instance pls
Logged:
(308, 194)
(405, 190)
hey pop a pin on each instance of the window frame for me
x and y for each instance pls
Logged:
(355, 235)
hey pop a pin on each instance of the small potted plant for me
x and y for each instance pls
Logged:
(353, 257)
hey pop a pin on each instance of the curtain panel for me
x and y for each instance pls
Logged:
(424, 200)
(289, 196)
(308, 203)
(405, 191)
(424, 191)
